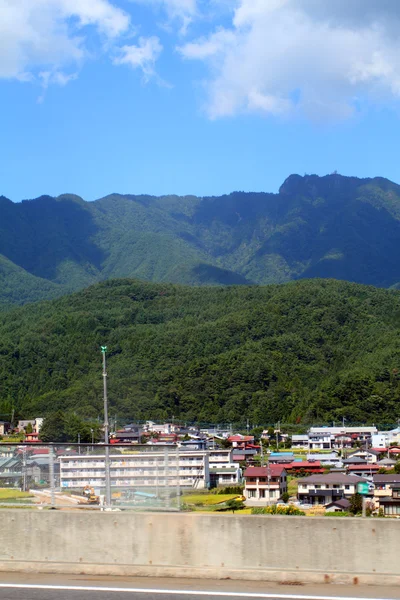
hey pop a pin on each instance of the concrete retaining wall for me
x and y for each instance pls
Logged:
(270, 548)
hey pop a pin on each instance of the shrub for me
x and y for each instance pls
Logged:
(235, 489)
(337, 514)
(277, 510)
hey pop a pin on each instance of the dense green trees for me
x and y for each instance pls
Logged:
(312, 351)
(63, 426)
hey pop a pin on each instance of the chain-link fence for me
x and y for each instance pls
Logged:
(99, 477)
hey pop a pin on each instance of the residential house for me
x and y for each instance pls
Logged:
(387, 494)
(5, 427)
(343, 440)
(363, 470)
(369, 455)
(281, 458)
(304, 467)
(341, 505)
(324, 489)
(327, 460)
(241, 441)
(394, 452)
(379, 440)
(22, 425)
(264, 485)
(322, 438)
(130, 434)
(319, 439)
(222, 468)
(10, 471)
(388, 463)
(300, 441)
(32, 437)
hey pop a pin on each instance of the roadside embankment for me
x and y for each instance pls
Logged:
(270, 548)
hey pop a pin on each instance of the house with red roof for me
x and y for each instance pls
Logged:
(241, 441)
(306, 467)
(263, 485)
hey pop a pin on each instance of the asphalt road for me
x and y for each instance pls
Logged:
(55, 587)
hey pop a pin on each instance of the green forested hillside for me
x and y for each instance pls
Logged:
(302, 352)
(338, 227)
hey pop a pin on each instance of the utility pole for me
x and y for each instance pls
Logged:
(106, 432)
(51, 477)
(24, 469)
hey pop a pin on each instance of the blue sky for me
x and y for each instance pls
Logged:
(195, 96)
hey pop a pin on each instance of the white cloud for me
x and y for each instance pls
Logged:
(182, 10)
(47, 36)
(142, 56)
(314, 57)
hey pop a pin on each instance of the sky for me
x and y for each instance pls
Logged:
(197, 97)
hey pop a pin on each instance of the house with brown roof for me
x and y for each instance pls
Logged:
(325, 489)
(264, 485)
(387, 494)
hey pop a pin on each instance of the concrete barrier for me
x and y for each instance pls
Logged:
(270, 548)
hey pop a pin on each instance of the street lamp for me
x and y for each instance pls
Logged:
(106, 432)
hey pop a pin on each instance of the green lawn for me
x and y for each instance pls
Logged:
(207, 499)
(13, 494)
(292, 485)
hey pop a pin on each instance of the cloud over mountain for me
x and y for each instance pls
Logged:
(321, 59)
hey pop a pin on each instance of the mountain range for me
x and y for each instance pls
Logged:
(327, 227)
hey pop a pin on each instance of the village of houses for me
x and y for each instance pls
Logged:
(319, 473)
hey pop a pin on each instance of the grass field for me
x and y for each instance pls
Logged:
(12, 494)
(292, 485)
(207, 499)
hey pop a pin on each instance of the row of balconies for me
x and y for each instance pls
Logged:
(128, 482)
(134, 473)
(135, 464)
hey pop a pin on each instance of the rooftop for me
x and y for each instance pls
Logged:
(332, 478)
(273, 471)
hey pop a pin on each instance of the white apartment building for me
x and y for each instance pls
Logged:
(223, 471)
(183, 468)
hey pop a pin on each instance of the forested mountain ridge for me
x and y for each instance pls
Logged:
(304, 352)
(333, 226)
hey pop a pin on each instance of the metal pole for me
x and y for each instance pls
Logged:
(106, 432)
(24, 469)
(166, 475)
(178, 483)
(51, 476)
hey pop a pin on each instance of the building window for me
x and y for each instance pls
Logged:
(251, 493)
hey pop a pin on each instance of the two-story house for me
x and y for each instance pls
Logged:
(325, 489)
(387, 494)
(264, 485)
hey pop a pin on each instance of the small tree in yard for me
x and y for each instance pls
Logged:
(356, 504)
(234, 504)
(285, 497)
(396, 468)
